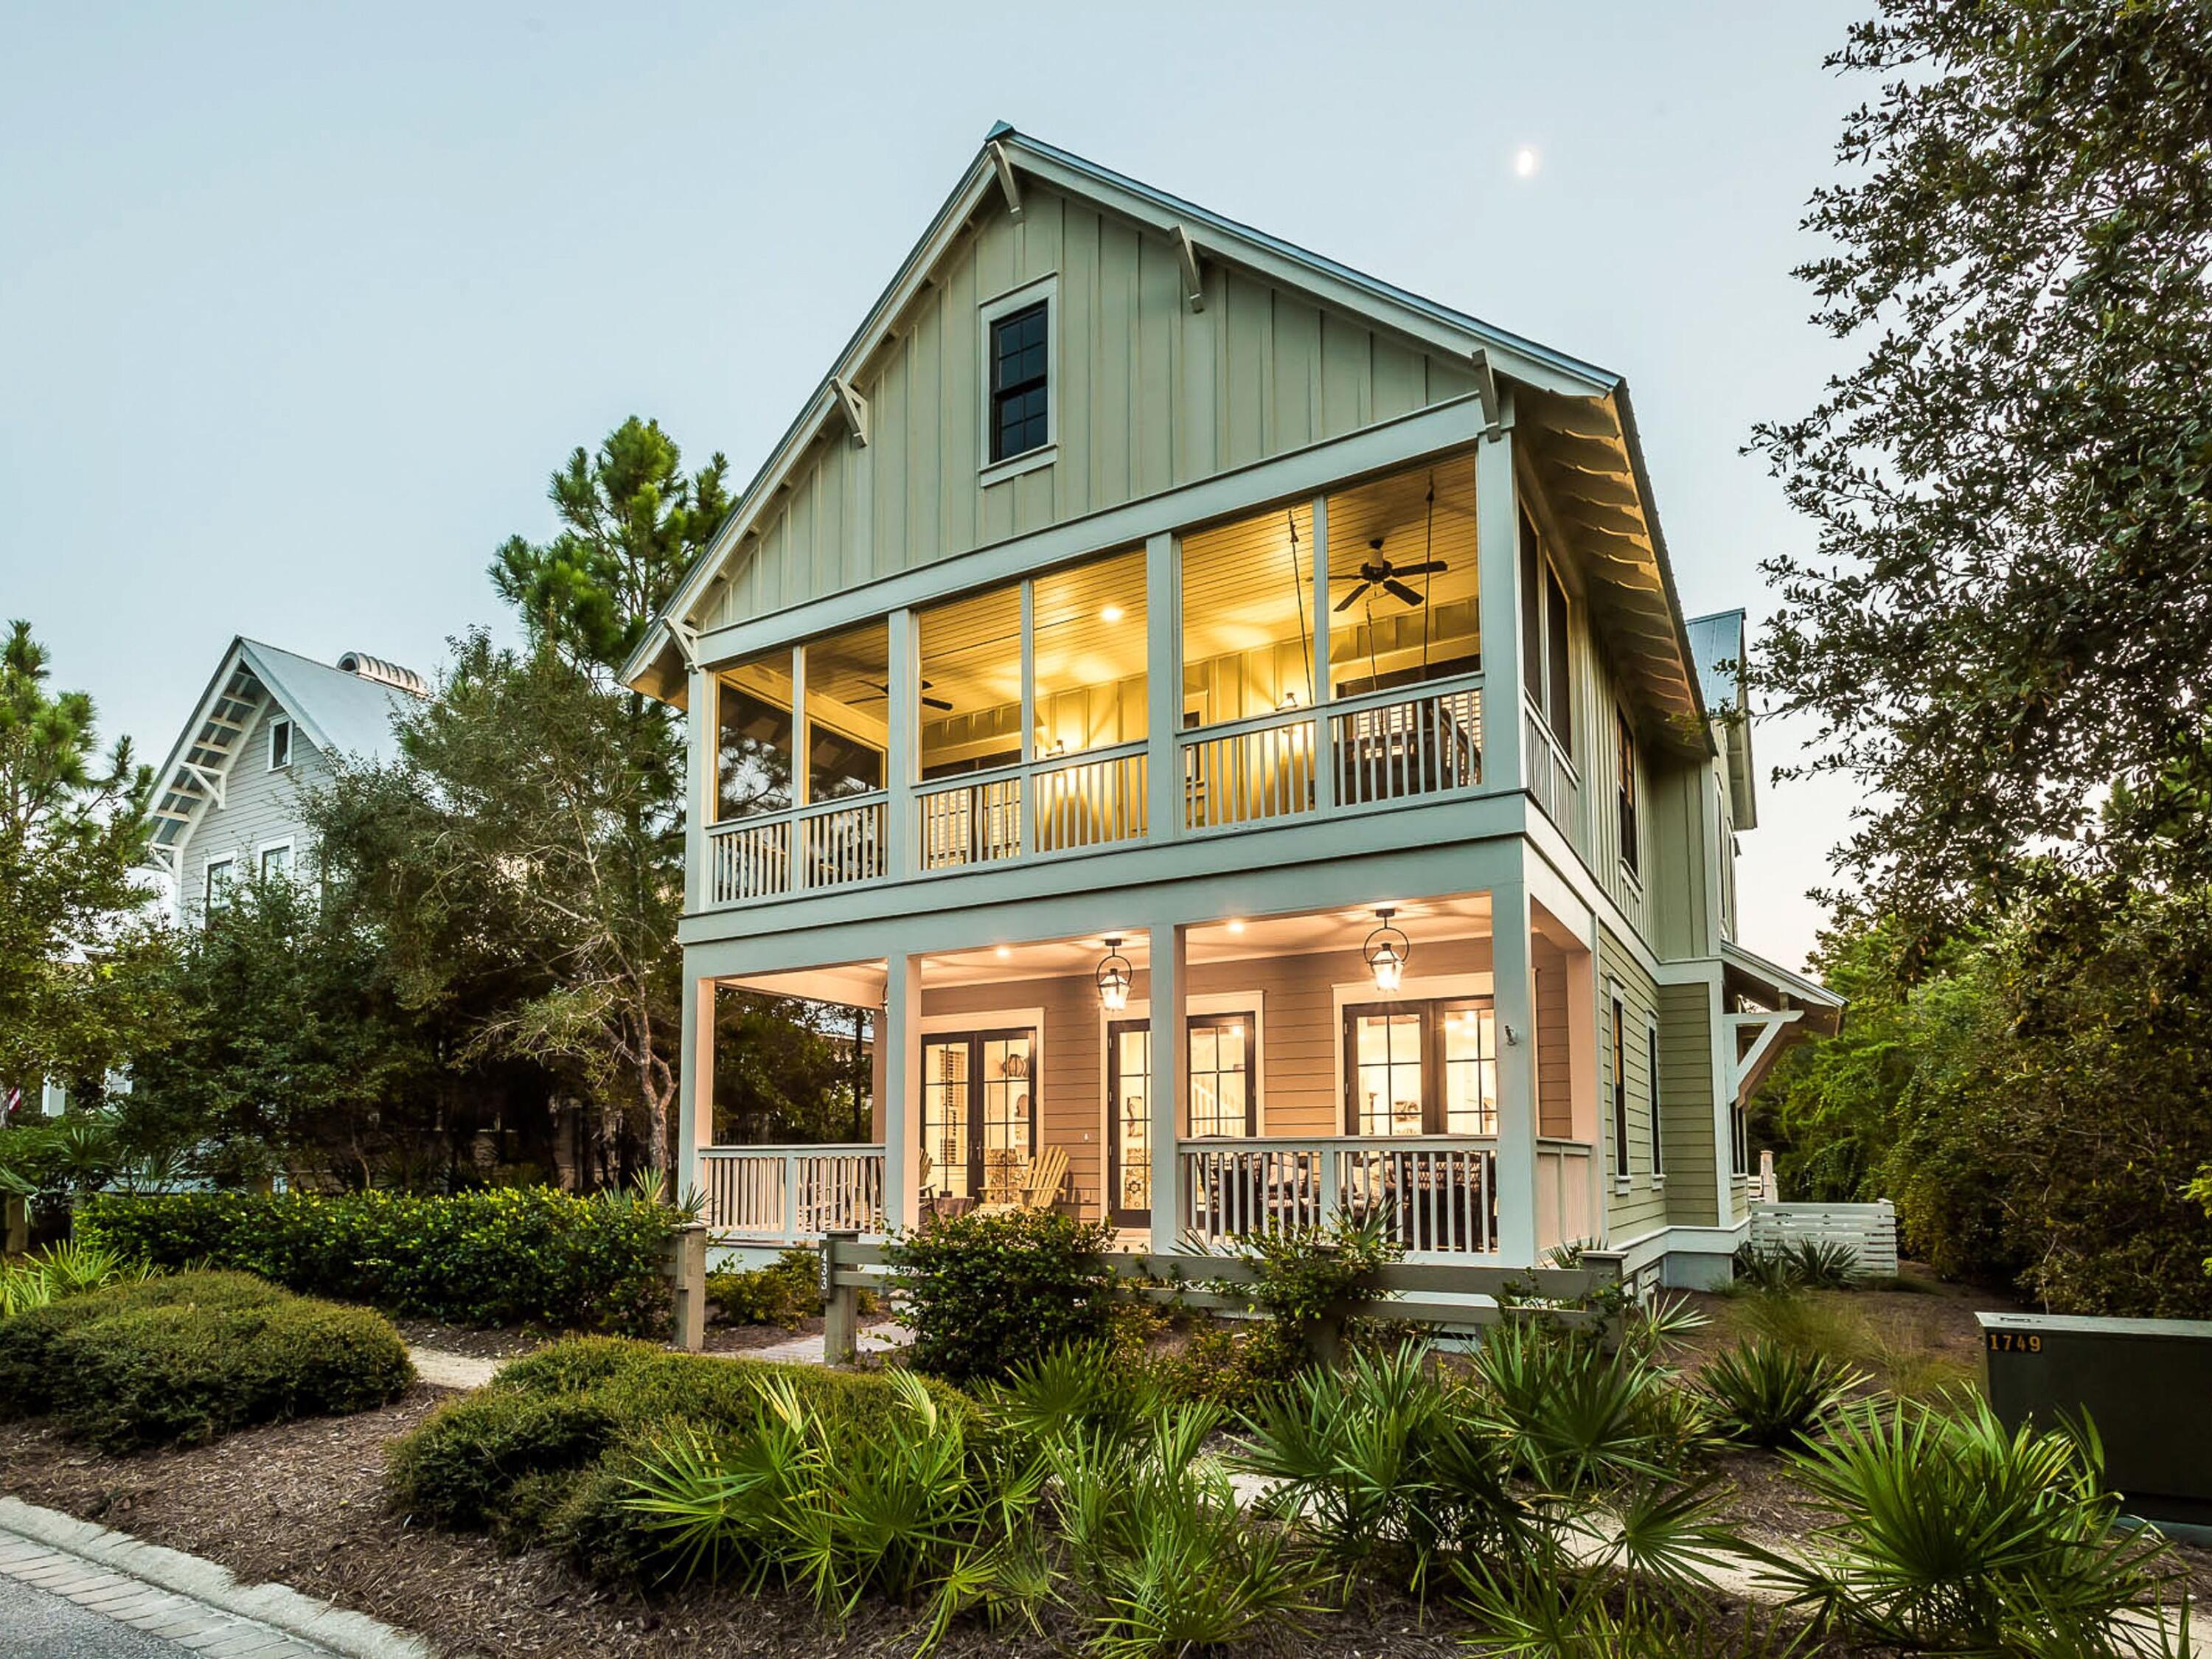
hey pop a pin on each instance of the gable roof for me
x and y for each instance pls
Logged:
(1578, 416)
(337, 710)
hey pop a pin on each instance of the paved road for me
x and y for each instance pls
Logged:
(43, 1626)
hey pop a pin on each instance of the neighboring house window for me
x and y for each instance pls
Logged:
(1020, 357)
(1651, 1062)
(219, 873)
(54, 1099)
(1222, 1099)
(1414, 1068)
(1619, 1090)
(277, 861)
(1544, 665)
(1629, 846)
(280, 744)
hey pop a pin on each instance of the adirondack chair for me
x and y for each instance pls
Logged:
(1048, 1173)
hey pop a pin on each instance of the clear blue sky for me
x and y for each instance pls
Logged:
(299, 306)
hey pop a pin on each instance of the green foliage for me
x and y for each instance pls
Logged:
(512, 1255)
(69, 1268)
(1309, 1277)
(1805, 1264)
(181, 1360)
(1578, 1418)
(2007, 614)
(986, 1294)
(1826, 1325)
(1766, 1395)
(1221, 1365)
(1945, 1531)
(786, 1292)
(1545, 1609)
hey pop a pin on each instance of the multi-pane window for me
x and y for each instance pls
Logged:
(1652, 1071)
(1019, 360)
(1545, 663)
(979, 1114)
(277, 861)
(1422, 1067)
(219, 874)
(1221, 1095)
(1626, 741)
(1619, 1085)
(280, 744)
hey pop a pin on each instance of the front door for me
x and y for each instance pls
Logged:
(1129, 1114)
(978, 1114)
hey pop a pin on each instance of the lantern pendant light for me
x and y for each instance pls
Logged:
(1114, 977)
(1387, 951)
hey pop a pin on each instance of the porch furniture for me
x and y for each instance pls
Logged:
(1040, 1188)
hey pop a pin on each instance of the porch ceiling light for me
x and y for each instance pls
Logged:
(1115, 976)
(1387, 951)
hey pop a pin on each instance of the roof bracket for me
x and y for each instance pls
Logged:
(855, 405)
(1747, 1071)
(1485, 387)
(1007, 184)
(1193, 283)
(687, 642)
(210, 781)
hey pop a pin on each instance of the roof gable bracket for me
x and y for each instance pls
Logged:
(210, 781)
(1193, 282)
(856, 407)
(1485, 388)
(686, 639)
(1008, 184)
(1747, 1072)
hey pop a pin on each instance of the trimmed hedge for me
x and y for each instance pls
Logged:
(176, 1361)
(988, 1294)
(543, 1455)
(519, 1255)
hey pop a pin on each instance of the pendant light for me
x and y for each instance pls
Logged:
(1114, 977)
(1387, 951)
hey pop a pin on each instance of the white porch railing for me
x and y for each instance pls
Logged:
(1248, 772)
(1435, 1194)
(1566, 1212)
(791, 1194)
(1550, 776)
(1399, 744)
(1093, 799)
(839, 842)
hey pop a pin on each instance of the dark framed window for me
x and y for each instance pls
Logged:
(1223, 1068)
(979, 1113)
(1626, 742)
(1651, 1064)
(1545, 664)
(280, 744)
(1619, 1083)
(1415, 1067)
(1020, 358)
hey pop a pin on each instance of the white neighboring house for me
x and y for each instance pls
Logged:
(228, 803)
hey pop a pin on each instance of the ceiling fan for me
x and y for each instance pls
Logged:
(927, 701)
(1379, 572)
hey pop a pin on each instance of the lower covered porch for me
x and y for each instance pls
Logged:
(1191, 1082)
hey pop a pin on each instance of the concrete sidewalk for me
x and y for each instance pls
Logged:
(95, 1592)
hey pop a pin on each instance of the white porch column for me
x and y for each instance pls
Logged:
(1512, 964)
(902, 746)
(1169, 977)
(1164, 807)
(695, 1081)
(1324, 747)
(900, 1035)
(1498, 559)
(701, 739)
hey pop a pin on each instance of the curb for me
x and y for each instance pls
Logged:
(342, 1631)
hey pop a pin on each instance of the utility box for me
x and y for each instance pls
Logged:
(2144, 1383)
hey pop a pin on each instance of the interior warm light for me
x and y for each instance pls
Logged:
(1387, 951)
(1004, 951)
(1235, 926)
(1290, 699)
(1115, 976)
(1112, 613)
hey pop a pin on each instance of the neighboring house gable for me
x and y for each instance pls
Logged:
(228, 802)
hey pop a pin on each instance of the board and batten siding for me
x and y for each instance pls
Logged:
(1643, 1205)
(1149, 395)
(260, 808)
(1686, 1100)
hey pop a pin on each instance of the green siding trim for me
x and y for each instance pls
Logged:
(1685, 1096)
(1643, 1205)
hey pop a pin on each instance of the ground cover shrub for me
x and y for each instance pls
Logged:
(1766, 1395)
(986, 1294)
(543, 1455)
(1804, 1264)
(69, 1268)
(785, 1293)
(1945, 1532)
(1580, 1417)
(506, 1256)
(187, 1358)
(1308, 1279)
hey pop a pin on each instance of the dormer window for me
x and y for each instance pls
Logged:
(1020, 361)
(280, 744)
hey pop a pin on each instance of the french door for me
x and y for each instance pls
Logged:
(979, 1114)
(1222, 1073)
(1414, 1068)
